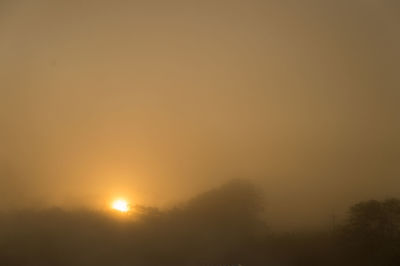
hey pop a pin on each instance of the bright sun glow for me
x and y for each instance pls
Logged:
(120, 205)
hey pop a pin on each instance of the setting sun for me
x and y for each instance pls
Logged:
(120, 205)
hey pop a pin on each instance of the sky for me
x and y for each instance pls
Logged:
(157, 101)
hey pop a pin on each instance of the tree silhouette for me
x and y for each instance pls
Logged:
(373, 232)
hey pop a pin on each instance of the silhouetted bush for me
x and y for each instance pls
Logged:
(372, 233)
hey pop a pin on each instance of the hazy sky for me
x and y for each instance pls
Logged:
(159, 100)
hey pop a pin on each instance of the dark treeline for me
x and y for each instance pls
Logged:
(224, 226)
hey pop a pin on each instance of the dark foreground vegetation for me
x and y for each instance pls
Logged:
(224, 226)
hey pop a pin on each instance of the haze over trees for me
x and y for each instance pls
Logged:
(224, 226)
(122, 124)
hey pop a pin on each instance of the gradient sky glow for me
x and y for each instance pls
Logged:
(159, 100)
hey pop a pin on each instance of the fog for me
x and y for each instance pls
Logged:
(158, 101)
(222, 226)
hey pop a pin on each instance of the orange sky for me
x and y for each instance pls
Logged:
(159, 100)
